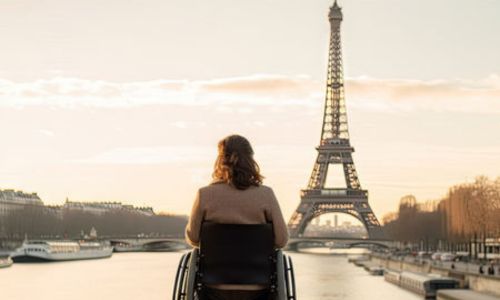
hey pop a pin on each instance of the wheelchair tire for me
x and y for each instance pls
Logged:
(291, 293)
(179, 292)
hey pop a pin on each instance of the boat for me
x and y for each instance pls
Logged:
(361, 262)
(376, 271)
(425, 285)
(462, 294)
(44, 251)
(358, 258)
(5, 262)
(370, 266)
(392, 276)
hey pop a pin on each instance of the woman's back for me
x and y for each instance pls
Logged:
(222, 203)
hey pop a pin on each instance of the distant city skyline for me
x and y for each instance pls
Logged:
(14, 200)
(127, 102)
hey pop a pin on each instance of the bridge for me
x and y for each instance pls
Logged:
(148, 244)
(334, 242)
(178, 244)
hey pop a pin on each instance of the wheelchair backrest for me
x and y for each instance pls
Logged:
(236, 254)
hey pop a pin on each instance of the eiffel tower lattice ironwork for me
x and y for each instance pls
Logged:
(334, 151)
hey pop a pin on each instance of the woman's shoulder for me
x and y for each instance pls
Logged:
(263, 192)
(213, 187)
(220, 185)
(265, 188)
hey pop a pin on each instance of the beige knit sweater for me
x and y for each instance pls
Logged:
(221, 203)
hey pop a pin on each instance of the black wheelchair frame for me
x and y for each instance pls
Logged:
(192, 273)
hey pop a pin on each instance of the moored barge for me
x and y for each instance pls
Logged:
(46, 251)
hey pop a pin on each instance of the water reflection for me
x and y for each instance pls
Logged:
(321, 276)
(150, 276)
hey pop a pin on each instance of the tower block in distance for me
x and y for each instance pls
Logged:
(334, 151)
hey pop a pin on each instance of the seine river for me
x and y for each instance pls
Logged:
(149, 276)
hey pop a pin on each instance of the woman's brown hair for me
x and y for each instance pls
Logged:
(235, 164)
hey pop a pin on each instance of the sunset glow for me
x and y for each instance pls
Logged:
(139, 122)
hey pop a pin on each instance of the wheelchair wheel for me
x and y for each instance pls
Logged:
(289, 278)
(180, 284)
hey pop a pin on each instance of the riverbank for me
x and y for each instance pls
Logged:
(468, 277)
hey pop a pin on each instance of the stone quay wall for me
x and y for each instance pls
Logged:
(476, 282)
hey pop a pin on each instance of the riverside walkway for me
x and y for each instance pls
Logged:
(468, 274)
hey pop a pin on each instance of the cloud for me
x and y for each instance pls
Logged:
(46, 132)
(151, 155)
(480, 96)
(180, 124)
(271, 154)
(279, 86)
(365, 93)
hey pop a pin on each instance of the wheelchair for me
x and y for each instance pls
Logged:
(235, 254)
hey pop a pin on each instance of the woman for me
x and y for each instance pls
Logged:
(236, 196)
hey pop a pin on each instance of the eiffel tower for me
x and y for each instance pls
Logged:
(334, 151)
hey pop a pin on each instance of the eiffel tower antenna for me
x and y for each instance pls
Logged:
(334, 151)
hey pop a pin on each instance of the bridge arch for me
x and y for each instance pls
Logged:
(164, 245)
(379, 244)
(294, 243)
(149, 244)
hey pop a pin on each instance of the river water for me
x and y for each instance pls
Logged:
(150, 276)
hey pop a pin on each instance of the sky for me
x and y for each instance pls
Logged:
(126, 100)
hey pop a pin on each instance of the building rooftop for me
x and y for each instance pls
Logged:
(21, 197)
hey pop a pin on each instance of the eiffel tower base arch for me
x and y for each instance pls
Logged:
(312, 206)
